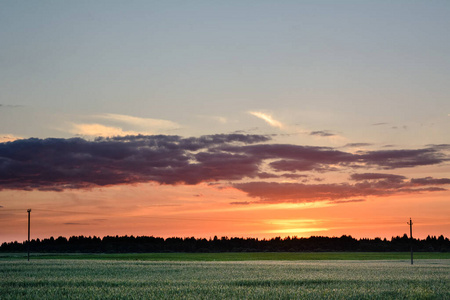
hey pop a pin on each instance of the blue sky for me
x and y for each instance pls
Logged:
(322, 65)
(351, 75)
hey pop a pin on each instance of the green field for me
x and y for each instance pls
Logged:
(238, 256)
(124, 277)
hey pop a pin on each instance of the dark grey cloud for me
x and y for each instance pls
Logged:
(357, 145)
(294, 176)
(393, 159)
(308, 158)
(440, 146)
(292, 158)
(430, 181)
(295, 165)
(9, 105)
(376, 176)
(58, 164)
(266, 175)
(323, 133)
(383, 185)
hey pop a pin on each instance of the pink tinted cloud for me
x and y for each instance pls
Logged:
(368, 184)
(58, 164)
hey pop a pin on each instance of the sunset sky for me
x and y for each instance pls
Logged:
(228, 118)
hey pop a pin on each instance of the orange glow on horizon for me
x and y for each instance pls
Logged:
(204, 211)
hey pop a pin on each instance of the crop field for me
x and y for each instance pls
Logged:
(260, 279)
(234, 256)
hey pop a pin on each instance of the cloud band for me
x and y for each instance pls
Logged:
(59, 164)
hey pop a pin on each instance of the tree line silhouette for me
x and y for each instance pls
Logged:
(142, 244)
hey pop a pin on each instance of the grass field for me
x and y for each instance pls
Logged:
(247, 279)
(238, 256)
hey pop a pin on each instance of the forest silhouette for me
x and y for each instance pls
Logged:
(144, 244)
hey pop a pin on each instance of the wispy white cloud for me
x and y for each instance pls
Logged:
(99, 130)
(218, 119)
(327, 135)
(268, 118)
(151, 124)
(108, 125)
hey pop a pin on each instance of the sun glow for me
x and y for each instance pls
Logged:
(295, 231)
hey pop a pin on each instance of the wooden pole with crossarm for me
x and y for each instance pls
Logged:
(410, 223)
(29, 211)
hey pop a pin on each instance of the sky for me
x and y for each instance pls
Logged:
(229, 118)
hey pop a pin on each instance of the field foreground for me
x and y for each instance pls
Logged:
(234, 256)
(114, 279)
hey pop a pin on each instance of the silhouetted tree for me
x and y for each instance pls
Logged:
(141, 244)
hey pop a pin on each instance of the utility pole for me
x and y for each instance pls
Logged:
(29, 211)
(410, 223)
